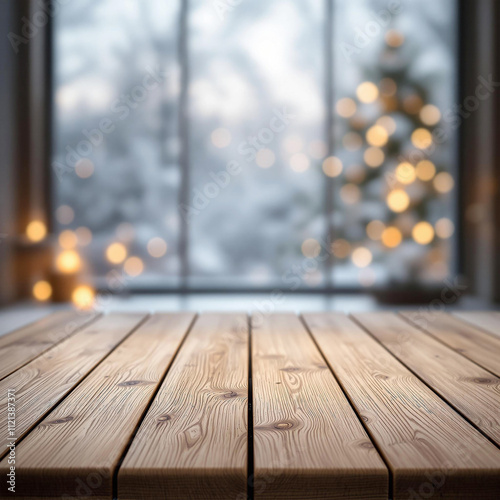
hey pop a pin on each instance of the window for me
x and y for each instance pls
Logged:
(230, 144)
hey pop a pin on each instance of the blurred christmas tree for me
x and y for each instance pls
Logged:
(390, 214)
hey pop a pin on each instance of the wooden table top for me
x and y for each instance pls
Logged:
(225, 406)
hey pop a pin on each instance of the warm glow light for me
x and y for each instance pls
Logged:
(65, 214)
(425, 170)
(84, 168)
(116, 253)
(443, 182)
(36, 230)
(332, 166)
(394, 38)
(361, 257)
(221, 137)
(430, 114)
(133, 266)
(83, 297)
(398, 200)
(293, 144)
(374, 157)
(421, 138)
(352, 141)
(84, 236)
(42, 290)
(311, 248)
(388, 123)
(350, 194)
(377, 136)
(299, 162)
(423, 233)
(265, 158)
(405, 173)
(157, 247)
(68, 239)
(367, 92)
(388, 87)
(392, 237)
(341, 248)
(68, 262)
(374, 229)
(346, 107)
(444, 228)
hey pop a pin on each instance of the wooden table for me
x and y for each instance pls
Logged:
(223, 406)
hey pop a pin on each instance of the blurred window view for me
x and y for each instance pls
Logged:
(286, 143)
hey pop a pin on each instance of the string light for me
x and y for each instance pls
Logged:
(374, 229)
(67, 239)
(444, 228)
(425, 170)
(405, 173)
(367, 92)
(133, 266)
(83, 297)
(377, 136)
(398, 200)
(68, 262)
(332, 166)
(345, 107)
(374, 157)
(341, 248)
(430, 114)
(423, 233)
(361, 257)
(443, 182)
(36, 231)
(42, 290)
(388, 123)
(421, 138)
(157, 247)
(311, 248)
(392, 237)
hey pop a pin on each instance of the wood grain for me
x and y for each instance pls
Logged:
(480, 347)
(486, 320)
(193, 440)
(308, 441)
(472, 390)
(430, 449)
(25, 344)
(87, 434)
(39, 385)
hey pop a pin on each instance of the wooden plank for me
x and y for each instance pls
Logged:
(193, 440)
(486, 320)
(41, 384)
(430, 449)
(25, 344)
(86, 435)
(308, 441)
(473, 391)
(478, 346)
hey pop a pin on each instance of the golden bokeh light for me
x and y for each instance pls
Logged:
(394, 38)
(367, 92)
(265, 158)
(377, 136)
(398, 200)
(345, 107)
(68, 239)
(444, 228)
(133, 266)
(116, 253)
(84, 168)
(350, 194)
(68, 262)
(392, 237)
(421, 138)
(374, 157)
(443, 182)
(388, 123)
(221, 137)
(311, 248)
(361, 257)
(83, 297)
(299, 162)
(341, 248)
(332, 166)
(374, 229)
(42, 290)
(430, 114)
(36, 230)
(423, 233)
(405, 173)
(157, 247)
(84, 236)
(425, 170)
